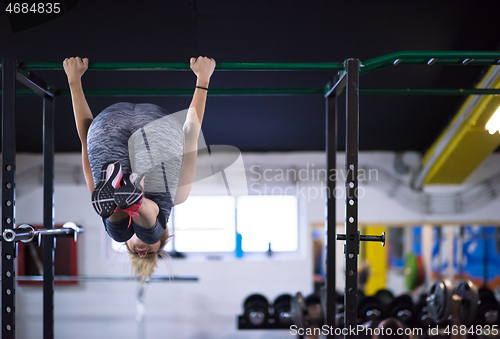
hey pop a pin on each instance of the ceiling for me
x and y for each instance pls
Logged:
(262, 31)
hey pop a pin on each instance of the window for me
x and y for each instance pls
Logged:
(268, 219)
(205, 224)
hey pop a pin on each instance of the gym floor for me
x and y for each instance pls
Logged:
(430, 183)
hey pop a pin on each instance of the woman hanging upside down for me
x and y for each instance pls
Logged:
(142, 160)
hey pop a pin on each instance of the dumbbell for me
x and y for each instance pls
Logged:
(339, 310)
(423, 319)
(282, 309)
(403, 309)
(488, 312)
(440, 299)
(306, 312)
(469, 294)
(385, 297)
(339, 315)
(421, 301)
(314, 310)
(256, 309)
(374, 307)
(370, 308)
(298, 309)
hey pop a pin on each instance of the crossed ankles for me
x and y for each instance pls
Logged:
(116, 189)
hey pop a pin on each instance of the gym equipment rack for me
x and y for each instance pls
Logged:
(347, 79)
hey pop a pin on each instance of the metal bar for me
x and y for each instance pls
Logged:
(376, 238)
(31, 80)
(432, 91)
(423, 57)
(351, 202)
(405, 57)
(96, 278)
(27, 232)
(190, 91)
(55, 231)
(330, 225)
(184, 66)
(430, 62)
(8, 194)
(48, 217)
(185, 92)
(338, 87)
(271, 91)
(19, 234)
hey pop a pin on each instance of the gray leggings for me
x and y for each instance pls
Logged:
(140, 136)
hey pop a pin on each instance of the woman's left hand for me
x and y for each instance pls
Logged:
(203, 67)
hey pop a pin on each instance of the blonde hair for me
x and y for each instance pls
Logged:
(145, 267)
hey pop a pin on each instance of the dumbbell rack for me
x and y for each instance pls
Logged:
(348, 79)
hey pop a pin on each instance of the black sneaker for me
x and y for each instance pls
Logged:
(103, 195)
(130, 194)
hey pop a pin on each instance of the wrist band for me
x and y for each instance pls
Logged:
(206, 89)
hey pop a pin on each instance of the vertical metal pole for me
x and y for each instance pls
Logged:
(48, 217)
(351, 222)
(141, 311)
(9, 69)
(330, 226)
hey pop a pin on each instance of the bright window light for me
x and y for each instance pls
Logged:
(268, 219)
(493, 124)
(120, 246)
(169, 247)
(205, 224)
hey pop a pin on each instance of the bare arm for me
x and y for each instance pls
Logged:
(74, 68)
(203, 68)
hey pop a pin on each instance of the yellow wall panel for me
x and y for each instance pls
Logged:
(376, 255)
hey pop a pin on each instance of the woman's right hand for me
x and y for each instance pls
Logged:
(203, 67)
(75, 67)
